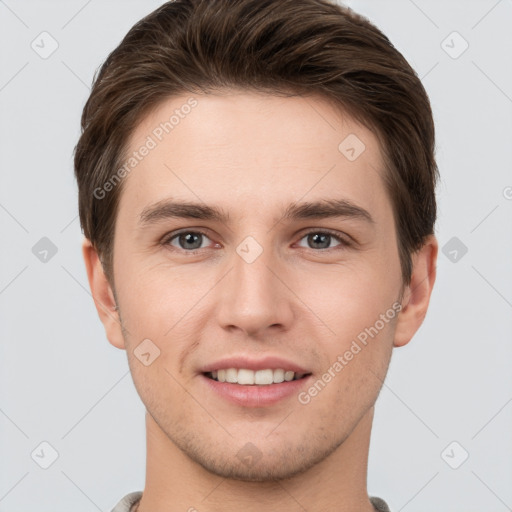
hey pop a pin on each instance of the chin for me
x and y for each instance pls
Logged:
(250, 464)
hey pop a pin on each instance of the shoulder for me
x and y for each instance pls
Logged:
(126, 504)
(379, 504)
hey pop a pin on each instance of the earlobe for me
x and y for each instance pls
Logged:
(103, 295)
(417, 295)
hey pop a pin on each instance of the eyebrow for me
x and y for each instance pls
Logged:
(323, 209)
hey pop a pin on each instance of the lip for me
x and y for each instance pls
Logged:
(255, 395)
(241, 361)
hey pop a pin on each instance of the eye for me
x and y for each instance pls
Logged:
(322, 239)
(192, 241)
(189, 241)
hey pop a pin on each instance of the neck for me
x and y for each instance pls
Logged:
(175, 483)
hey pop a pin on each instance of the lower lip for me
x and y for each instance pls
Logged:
(256, 395)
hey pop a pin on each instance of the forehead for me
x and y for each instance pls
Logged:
(252, 150)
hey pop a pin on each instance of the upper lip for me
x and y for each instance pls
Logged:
(272, 362)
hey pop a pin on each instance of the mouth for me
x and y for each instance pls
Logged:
(247, 377)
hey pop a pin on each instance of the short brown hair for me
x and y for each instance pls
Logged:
(289, 47)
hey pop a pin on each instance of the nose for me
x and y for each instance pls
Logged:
(254, 297)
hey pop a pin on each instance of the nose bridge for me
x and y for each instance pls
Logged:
(253, 298)
(252, 265)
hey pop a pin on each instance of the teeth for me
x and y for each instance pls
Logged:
(278, 376)
(264, 377)
(231, 375)
(245, 377)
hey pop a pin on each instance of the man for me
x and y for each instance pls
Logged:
(292, 146)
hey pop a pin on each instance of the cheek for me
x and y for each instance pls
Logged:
(146, 290)
(348, 298)
(356, 306)
(166, 307)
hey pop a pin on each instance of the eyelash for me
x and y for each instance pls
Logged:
(343, 242)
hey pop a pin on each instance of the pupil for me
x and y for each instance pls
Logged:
(325, 237)
(189, 238)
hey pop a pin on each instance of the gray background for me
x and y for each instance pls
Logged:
(62, 383)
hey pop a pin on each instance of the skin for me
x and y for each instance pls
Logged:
(252, 155)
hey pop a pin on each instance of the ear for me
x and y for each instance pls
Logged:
(417, 294)
(103, 295)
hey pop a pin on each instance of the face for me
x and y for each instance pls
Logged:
(300, 261)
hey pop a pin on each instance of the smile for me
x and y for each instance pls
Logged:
(246, 377)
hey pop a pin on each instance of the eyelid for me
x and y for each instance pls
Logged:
(171, 234)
